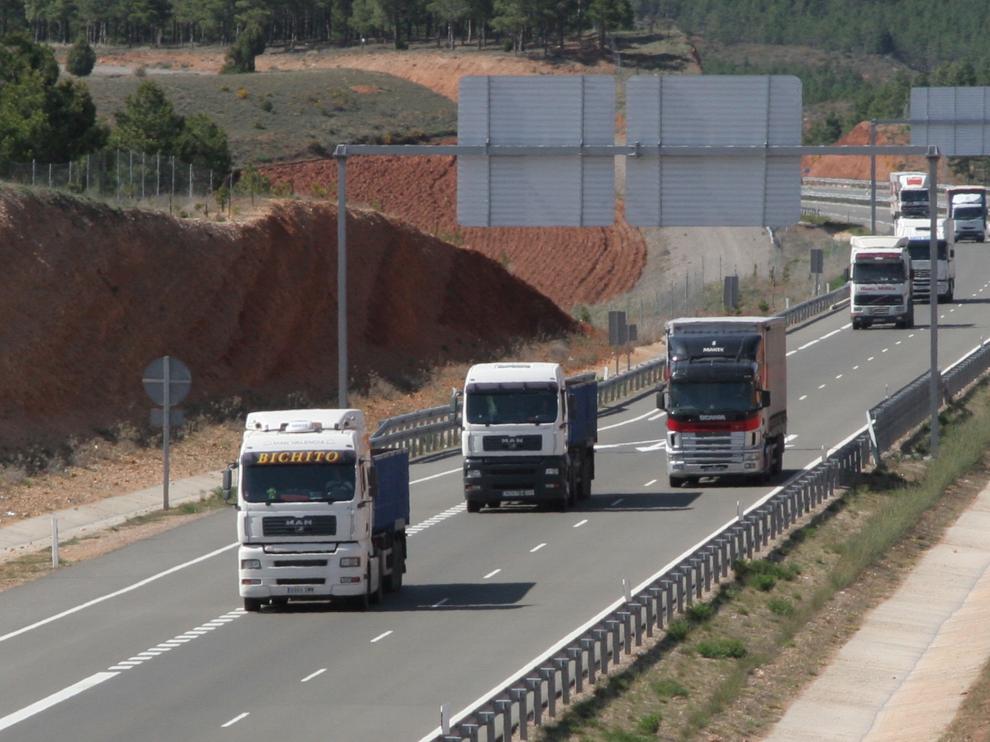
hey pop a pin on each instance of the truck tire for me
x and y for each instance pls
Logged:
(252, 605)
(677, 481)
(394, 583)
(952, 291)
(375, 596)
(585, 491)
(473, 506)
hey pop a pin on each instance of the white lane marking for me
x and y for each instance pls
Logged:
(802, 397)
(615, 503)
(821, 386)
(433, 520)
(885, 350)
(235, 720)
(790, 353)
(626, 422)
(656, 417)
(658, 446)
(491, 574)
(602, 446)
(855, 367)
(807, 345)
(439, 603)
(951, 311)
(870, 358)
(130, 663)
(116, 593)
(830, 334)
(381, 636)
(838, 376)
(435, 476)
(790, 438)
(941, 316)
(313, 675)
(537, 548)
(911, 335)
(117, 668)
(55, 698)
(580, 523)
(650, 483)
(898, 342)
(847, 325)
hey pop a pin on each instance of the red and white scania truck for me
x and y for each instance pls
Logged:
(725, 397)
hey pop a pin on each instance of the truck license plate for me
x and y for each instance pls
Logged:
(518, 493)
(300, 590)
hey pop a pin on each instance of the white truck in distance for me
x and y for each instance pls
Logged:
(908, 195)
(880, 281)
(528, 435)
(968, 206)
(321, 516)
(725, 397)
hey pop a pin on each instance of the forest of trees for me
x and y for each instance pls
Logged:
(516, 23)
(920, 33)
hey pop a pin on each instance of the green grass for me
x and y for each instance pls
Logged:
(700, 612)
(721, 648)
(669, 688)
(781, 606)
(276, 116)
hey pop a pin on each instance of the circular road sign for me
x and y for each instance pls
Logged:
(179, 380)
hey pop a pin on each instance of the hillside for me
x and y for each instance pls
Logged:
(95, 293)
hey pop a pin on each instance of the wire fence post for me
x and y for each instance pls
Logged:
(158, 174)
(190, 181)
(54, 542)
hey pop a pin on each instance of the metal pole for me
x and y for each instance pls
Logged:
(933, 157)
(342, 282)
(167, 402)
(873, 178)
(54, 542)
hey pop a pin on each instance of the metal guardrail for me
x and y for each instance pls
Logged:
(578, 659)
(437, 429)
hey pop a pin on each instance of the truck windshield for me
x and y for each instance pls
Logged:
(512, 406)
(968, 212)
(920, 250)
(878, 272)
(298, 482)
(914, 197)
(721, 396)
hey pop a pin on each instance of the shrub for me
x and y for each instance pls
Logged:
(648, 724)
(781, 606)
(764, 582)
(267, 106)
(700, 612)
(248, 45)
(81, 59)
(678, 629)
(721, 648)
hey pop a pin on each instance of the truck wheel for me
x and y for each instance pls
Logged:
(676, 481)
(473, 506)
(585, 491)
(398, 565)
(375, 596)
(252, 605)
(952, 291)
(856, 325)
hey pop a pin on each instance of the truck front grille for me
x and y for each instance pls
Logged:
(300, 563)
(306, 525)
(301, 581)
(884, 300)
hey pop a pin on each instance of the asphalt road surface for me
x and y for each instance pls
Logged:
(149, 643)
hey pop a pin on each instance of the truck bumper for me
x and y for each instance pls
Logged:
(515, 478)
(872, 314)
(312, 575)
(713, 462)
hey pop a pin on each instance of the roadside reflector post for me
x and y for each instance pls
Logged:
(933, 158)
(54, 542)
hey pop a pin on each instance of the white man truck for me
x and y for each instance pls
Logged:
(908, 195)
(880, 281)
(725, 397)
(320, 515)
(528, 435)
(968, 206)
(917, 232)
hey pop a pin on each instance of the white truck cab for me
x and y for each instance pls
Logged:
(880, 281)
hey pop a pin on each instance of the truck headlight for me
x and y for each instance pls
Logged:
(551, 471)
(473, 474)
(250, 564)
(751, 456)
(350, 561)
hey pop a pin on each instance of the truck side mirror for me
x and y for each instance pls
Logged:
(764, 398)
(455, 397)
(228, 475)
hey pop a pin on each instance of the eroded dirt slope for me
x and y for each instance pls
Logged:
(93, 294)
(571, 265)
(858, 167)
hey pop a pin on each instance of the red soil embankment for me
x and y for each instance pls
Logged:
(857, 167)
(94, 294)
(571, 265)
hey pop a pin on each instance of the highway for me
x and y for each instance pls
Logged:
(149, 643)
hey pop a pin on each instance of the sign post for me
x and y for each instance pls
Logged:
(167, 381)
